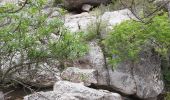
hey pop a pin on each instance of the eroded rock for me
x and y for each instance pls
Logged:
(73, 74)
(43, 76)
(77, 4)
(80, 22)
(64, 90)
(121, 78)
(95, 60)
(147, 75)
(142, 78)
(1, 96)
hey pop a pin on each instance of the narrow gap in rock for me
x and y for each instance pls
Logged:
(19, 91)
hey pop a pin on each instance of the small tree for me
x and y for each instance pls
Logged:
(29, 37)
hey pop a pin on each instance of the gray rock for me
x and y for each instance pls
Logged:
(73, 74)
(86, 7)
(121, 78)
(64, 90)
(142, 78)
(42, 75)
(147, 75)
(3, 2)
(1, 96)
(77, 4)
(95, 60)
(50, 95)
(80, 22)
(88, 93)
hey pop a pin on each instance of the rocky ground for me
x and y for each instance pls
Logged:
(142, 80)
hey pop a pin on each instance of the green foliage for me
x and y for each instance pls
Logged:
(94, 29)
(34, 37)
(97, 26)
(130, 37)
(69, 47)
(58, 1)
(167, 97)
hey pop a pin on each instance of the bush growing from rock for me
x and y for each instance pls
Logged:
(129, 38)
(29, 37)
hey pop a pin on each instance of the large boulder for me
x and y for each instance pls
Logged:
(142, 78)
(64, 90)
(73, 74)
(80, 22)
(95, 60)
(43, 75)
(77, 4)
(121, 78)
(147, 75)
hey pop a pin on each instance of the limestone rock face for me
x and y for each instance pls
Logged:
(75, 4)
(73, 74)
(147, 75)
(64, 90)
(43, 76)
(142, 78)
(80, 22)
(121, 78)
(95, 60)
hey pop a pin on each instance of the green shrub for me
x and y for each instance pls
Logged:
(95, 29)
(27, 33)
(130, 37)
(167, 96)
(58, 1)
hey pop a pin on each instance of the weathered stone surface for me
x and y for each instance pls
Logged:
(64, 90)
(73, 74)
(116, 17)
(122, 79)
(86, 7)
(78, 22)
(142, 78)
(95, 60)
(43, 76)
(82, 21)
(76, 4)
(1, 96)
(3, 2)
(147, 74)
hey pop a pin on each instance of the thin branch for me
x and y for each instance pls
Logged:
(17, 10)
(142, 19)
